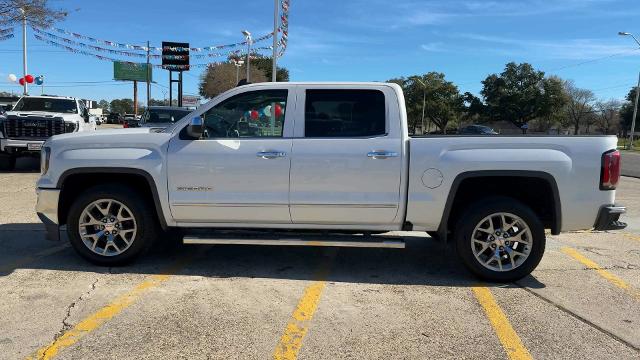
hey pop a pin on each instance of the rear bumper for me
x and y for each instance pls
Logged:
(47, 210)
(608, 218)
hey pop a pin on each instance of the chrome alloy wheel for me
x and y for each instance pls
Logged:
(107, 227)
(501, 241)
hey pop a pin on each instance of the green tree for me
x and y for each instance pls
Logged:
(37, 12)
(158, 102)
(443, 102)
(515, 95)
(579, 107)
(121, 106)
(219, 78)
(554, 99)
(104, 105)
(626, 112)
(474, 108)
(266, 65)
(608, 115)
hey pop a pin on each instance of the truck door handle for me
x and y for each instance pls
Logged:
(271, 154)
(381, 154)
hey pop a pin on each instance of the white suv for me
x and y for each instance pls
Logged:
(36, 118)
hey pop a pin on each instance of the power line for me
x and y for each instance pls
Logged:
(594, 60)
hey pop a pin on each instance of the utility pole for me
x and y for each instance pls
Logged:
(238, 64)
(276, 14)
(247, 36)
(635, 104)
(148, 75)
(635, 113)
(24, 51)
(135, 98)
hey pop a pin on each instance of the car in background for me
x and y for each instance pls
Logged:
(477, 130)
(130, 121)
(160, 117)
(114, 118)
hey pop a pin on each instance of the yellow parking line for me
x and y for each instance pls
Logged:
(631, 236)
(508, 337)
(291, 340)
(98, 318)
(590, 264)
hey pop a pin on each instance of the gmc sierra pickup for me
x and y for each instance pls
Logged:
(34, 119)
(324, 165)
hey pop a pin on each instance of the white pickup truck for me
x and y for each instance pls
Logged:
(324, 165)
(36, 118)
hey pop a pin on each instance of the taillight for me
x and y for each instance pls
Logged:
(610, 171)
(125, 125)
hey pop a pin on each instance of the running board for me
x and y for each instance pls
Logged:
(371, 242)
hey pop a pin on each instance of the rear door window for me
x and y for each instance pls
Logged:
(344, 113)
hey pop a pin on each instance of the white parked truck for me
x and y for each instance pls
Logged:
(324, 164)
(36, 118)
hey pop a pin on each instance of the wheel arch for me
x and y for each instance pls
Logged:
(539, 177)
(73, 181)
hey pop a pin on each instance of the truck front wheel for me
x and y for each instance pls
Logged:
(110, 225)
(500, 239)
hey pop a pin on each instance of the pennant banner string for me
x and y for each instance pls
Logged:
(144, 48)
(6, 37)
(4, 32)
(105, 58)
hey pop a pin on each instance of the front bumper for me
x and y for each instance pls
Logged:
(608, 218)
(47, 210)
(22, 144)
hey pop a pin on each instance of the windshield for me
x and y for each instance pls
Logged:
(165, 115)
(47, 105)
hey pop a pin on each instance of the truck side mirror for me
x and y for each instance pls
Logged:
(195, 128)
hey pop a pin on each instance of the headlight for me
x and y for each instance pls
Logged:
(70, 127)
(45, 158)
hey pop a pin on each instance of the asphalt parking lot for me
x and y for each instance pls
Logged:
(233, 302)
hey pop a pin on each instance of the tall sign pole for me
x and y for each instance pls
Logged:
(276, 14)
(148, 77)
(135, 97)
(24, 51)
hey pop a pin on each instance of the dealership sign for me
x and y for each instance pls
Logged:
(130, 71)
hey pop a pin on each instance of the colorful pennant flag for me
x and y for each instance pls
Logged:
(6, 37)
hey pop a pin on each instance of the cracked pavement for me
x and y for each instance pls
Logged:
(233, 302)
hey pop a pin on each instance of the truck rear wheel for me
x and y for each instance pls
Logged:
(110, 225)
(500, 239)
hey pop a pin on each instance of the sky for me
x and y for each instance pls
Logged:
(352, 40)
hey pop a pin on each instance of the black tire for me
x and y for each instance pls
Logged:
(141, 210)
(477, 212)
(7, 162)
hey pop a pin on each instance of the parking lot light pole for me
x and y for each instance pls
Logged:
(24, 51)
(247, 36)
(238, 64)
(635, 105)
(424, 100)
(276, 20)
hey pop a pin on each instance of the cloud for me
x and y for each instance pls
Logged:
(433, 47)
(575, 49)
(402, 14)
